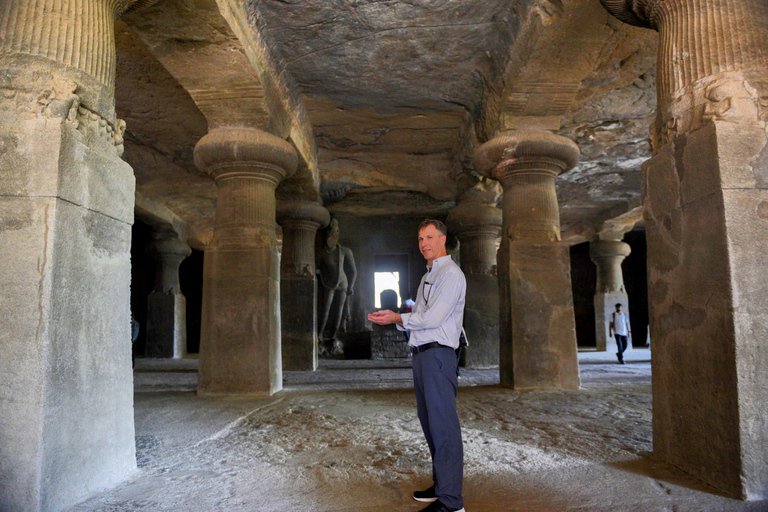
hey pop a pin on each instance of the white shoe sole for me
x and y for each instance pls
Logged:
(425, 500)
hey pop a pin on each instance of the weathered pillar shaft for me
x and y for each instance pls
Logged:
(240, 350)
(66, 209)
(607, 256)
(167, 306)
(298, 286)
(538, 335)
(531, 211)
(478, 227)
(705, 195)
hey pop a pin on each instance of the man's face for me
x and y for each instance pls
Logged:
(431, 243)
(618, 309)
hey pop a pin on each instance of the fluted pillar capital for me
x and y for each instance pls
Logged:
(247, 164)
(232, 152)
(607, 255)
(603, 249)
(525, 152)
(300, 221)
(477, 226)
(640, 13)
(169, 254)
(309, 213)
(164, 248)
(527, 163)
(472, 218)
(712, 61)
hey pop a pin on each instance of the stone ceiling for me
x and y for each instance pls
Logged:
(386, 100)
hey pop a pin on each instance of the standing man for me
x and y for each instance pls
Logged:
(619, 327)
(434, 328)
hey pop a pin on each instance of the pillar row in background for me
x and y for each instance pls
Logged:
(240, 351)
(66, 210)
(166, 305)
(705, 197)
(607, 255)
(478, 227)
(300, 221)
(538, 335)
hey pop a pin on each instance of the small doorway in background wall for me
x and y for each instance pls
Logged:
(390, 279)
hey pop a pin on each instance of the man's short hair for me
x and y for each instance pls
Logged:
(432, 222)
(618, 305)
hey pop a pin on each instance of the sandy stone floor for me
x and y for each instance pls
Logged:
(346, 438)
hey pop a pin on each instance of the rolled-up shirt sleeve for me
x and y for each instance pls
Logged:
(442, 301)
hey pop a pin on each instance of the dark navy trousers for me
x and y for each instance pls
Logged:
(436, 385)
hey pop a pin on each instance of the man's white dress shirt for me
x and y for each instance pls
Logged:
(439, 310)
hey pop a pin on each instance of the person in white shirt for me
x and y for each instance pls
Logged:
(618, 327)
(434, 327)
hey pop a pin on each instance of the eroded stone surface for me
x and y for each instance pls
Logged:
(393, 107)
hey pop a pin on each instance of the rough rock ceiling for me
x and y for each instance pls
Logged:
(394, 96)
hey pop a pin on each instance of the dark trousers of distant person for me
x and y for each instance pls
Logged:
(621, 343)
(436, 385)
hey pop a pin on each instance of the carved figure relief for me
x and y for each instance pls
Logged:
(336, 273)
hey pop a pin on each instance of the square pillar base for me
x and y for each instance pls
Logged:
(66, 400)
(299, 322)
(706, 209)
(166, 325)
(539, 349)
(481, 320)
(240, 351)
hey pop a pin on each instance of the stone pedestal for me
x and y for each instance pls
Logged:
(538, 335)
(298, 285)
(478, 227)
(66, 209)
(705, 194)
(166, 305)
(240, 349)
(607, 255)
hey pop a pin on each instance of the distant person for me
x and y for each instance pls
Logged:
(619, 328)
(434, 328)
(134, 336)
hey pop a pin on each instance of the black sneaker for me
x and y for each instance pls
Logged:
(437, 506)
(426, 496)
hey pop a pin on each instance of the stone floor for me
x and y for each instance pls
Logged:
(346, 438)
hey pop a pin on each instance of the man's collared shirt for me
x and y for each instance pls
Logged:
(439, 310)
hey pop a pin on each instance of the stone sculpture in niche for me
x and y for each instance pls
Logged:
(336, 272)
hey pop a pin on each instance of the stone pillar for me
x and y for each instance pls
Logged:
(478, 227)
(166, 305)
(66, 210)
(705, 195)
(607, 255)
(298, 286)
(240, 332)
(538, 334)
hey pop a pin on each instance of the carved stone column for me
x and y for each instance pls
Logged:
(705, 194)
(608, 255)
(66, 210)
(240, 349)
(166, 305)
(478, 227)
(538, 334)
(298, 286)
